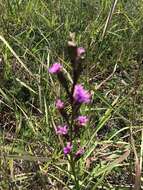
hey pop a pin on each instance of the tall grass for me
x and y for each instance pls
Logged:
(33, 35)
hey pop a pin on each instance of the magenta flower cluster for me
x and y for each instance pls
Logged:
(55, 68)
(82, 120)
(76, 96)
(59, 104)
(80, 52)
(81, 95)
(79, 152)
(62, 130)
(67, 149)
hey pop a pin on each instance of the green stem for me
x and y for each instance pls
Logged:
(72, 164)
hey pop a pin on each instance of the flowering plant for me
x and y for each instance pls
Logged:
(77, 95)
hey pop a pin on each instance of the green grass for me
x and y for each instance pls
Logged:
(33, 35)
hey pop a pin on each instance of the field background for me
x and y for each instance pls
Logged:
(33, 35)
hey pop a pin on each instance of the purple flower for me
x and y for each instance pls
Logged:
(67, 149)
(79, 153)
(81, 95)
(55, 68)
(62, 130)
(80, 51)
(59, 104)
(82, 120)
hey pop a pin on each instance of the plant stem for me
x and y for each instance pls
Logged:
(72, 164)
